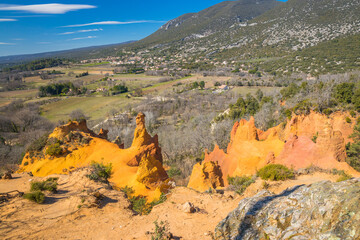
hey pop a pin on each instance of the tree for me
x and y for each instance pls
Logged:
(344, 92)
(356, 99)
(353, 151)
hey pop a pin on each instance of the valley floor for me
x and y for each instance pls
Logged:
(61, 216)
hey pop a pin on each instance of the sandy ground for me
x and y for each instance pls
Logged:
(60, 218)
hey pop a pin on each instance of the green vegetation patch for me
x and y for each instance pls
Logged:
(275, 172)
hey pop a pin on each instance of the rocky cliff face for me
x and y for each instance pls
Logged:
(305, 140)
(322, 210)
(139, 166)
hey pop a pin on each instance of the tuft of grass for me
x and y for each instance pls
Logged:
(100, 172)
(36, 196)
(47, 185)
(275, 172)
(239, 184)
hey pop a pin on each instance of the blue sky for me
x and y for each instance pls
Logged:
(28, 26)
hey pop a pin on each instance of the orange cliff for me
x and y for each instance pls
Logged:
(292, 145)
(139, 166)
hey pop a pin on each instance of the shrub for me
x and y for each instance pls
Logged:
(275, 172)
(128, 191)
(139, 203)
(239, 184)
(161, 231)
(47, 185)
(37, 196)
(327, 112)
(54, 149)
(172, 172)
(352, 113)
(348, 120)
(100, 172)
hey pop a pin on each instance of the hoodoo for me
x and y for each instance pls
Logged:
(305, 140)
(139, 166)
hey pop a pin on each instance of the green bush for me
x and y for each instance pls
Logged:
(37, 196)
(275, 172)
(47, 185)
(348, 120)
(100, 172)
(54, 149)
(239, 184)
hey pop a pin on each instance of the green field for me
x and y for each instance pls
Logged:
(93, 107)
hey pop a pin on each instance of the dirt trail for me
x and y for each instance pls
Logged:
(60, 218)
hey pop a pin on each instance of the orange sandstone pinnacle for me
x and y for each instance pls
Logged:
(139, 166)
(292, 145)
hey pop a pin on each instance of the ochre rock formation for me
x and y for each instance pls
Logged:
(210, 175)
(139, 166)
(305, 140)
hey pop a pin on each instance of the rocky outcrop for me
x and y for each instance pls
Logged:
(322, 210)
(206, 176)
(139, 166)
(305, 140)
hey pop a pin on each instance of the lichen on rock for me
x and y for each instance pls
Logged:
(323, 210)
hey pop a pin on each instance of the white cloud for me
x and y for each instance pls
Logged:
(7, 20)
(88, 37)
(17, 39)
(51, 8)
(4, 43)
(82, 31)
(113, 23)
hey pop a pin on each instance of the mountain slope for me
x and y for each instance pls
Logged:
(209, 21)
(283, 29)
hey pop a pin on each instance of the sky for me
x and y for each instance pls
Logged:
(28, 26)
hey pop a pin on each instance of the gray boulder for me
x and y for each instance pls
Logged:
(323, 210)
